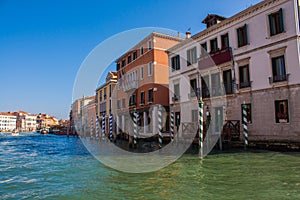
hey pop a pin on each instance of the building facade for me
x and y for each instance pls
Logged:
(143, 83)
(8, 122)
(250, 58)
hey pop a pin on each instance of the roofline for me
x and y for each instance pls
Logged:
(153, 34)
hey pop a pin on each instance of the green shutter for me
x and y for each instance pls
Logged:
(195, 55)
(178, 62)
(173, 63)
(281, 20)
(272, 25)
(246, 34)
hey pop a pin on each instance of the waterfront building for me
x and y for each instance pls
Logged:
(26, 122)
(76, 116)
(89, 117)
(104, 94)
(8, 122)
(252, 58)
(45, 121)
(143, 83)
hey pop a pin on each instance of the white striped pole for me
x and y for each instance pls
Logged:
(160, 138)
(245, 124)
(110, 126)
(91, 127)
(103, 126)
(201, 128)
(135, 125)
(172, 126)
(97, 126)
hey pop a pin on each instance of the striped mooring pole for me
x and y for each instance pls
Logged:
(110, 126)
(160, 138)
(201, 128)
(172, 126)
(245, 124)
(135, 126)
(103, 126)
(91, 127)
(97, 127)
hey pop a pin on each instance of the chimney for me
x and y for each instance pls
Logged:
(178, 34)
(188, 34)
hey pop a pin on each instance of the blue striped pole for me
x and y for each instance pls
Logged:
(201, 128)
(135, 126)
(160, 138)
(110, 126)
(91, 127)
(103, 126)
(172, 126)
(245, 124)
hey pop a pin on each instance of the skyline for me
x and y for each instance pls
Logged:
(43, 44)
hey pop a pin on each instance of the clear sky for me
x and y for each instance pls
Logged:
(43, 43)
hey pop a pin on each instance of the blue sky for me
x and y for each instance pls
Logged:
(43, 43)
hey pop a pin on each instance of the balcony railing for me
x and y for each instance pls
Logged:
(228, 88)
(244, 85)
(215, 58)
(205, 93)
(130, 85)
(175, 98)
(279, 78)
(195, 93)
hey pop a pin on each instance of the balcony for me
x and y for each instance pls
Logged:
(205, 92)
(244, 85)
(228, 88)
(215, 58)
(133, 85)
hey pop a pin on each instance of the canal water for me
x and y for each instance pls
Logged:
(34, 166)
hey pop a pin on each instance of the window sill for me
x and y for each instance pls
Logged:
(276, 35)
(245, 89)
(242, 47)
(279, 84)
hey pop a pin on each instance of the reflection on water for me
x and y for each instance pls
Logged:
(57, 167)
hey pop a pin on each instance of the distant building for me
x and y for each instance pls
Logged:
(104, 94)
(26, 122)
(46, 121)
(8, 122)
(77, 119)
(251, 57)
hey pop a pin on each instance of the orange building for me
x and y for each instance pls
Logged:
(143, 82)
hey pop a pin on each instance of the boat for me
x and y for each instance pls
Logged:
(15, 132)
(44, 131)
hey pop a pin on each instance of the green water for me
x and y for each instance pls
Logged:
(34, 166)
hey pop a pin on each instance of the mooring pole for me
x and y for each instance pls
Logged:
(201, 128)
(245, 124)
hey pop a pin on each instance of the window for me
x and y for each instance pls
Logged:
(276, 23)
(104, 93)
(205, 86)
(248, 111)
(142, 98)
(150, 69)
(129, 59)
(225, 41)
(194, 115)
(191, 56)
(176, 92)
(123, 63)
(193, 88)
(110, 90)
(100, 95)
(150, 45)
(150, 95)
(227, 80)
(175, 61)
(216, 85)
(142, 50)
(244, 76)
(278, 68)
(123, 103)
(242, 36)
(203, 49)
(281, 111)
(132, 100)
(134, 55)
(214, 45)
(118, 104)
(118, 66)
(142, 73)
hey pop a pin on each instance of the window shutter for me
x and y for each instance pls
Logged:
(281, 20)
(271, 22)
(178, 62)
(173, 63)
(246, 34)
(195, 55)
